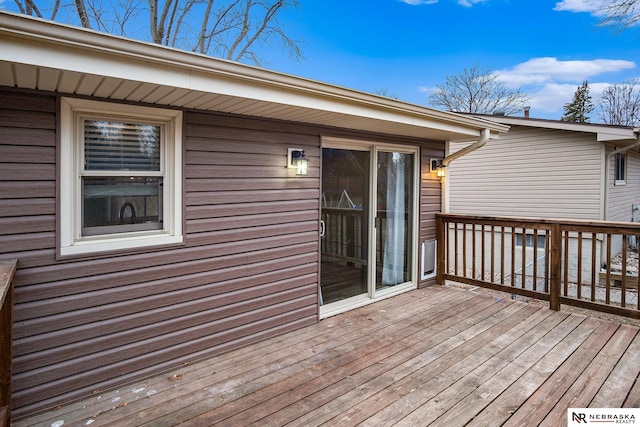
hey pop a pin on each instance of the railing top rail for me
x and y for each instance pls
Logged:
(565, 224)
(7, 271)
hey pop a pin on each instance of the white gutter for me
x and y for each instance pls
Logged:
(485, 135)
(607, 163)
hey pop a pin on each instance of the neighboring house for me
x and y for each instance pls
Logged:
(550, 169)
(148, 196)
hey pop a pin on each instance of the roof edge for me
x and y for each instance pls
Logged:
(53, 32)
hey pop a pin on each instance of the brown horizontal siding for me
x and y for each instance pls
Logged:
(204, 314)
(27, 189)
(230, 197)
(148, 307)
(26, 119)
(59, 297)
(33, 138)
(430, 197)
(248, 269)
(143, 362)
(20, 207)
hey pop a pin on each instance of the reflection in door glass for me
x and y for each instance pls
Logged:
(345, 198)
(393, 218)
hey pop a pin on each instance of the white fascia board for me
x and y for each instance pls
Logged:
(604, 132)
(39, 43)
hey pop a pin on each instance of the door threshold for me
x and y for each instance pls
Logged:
(344, 305)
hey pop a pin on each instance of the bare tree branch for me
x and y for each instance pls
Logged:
(233, 29)
(82, 13)
(620, 13)
(268, 16)
(479, 91)
(619, 104)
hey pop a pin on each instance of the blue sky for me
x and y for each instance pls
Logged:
(406, 47)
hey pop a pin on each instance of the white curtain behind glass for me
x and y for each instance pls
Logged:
(394, 248)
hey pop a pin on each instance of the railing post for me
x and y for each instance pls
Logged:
(441, 249)
(7, 271)
(555, 267)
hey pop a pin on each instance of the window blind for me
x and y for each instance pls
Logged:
(112, 145)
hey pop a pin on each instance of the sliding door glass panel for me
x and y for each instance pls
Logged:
(344, 243)
(394, 215)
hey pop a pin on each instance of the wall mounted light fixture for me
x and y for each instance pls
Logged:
(296, 159)
(437, 167)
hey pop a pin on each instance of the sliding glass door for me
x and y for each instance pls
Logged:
(394, 214)
(345, 219)
(369, 222)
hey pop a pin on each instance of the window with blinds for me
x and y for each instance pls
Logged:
(120, 176)
(117, 203)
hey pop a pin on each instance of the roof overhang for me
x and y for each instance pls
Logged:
(603, 133)
(42, 55)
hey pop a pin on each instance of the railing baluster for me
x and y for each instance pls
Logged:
(473, 250)
(565, 263)
(535, 260)
(502, 255)
(513, 256)
(554, 291)
(482, 253)
(523, 248)
(623, 284)
(455, 255)
(608, 285)
(547, 260)
(594, 267)
(579, 272)
(493, 252)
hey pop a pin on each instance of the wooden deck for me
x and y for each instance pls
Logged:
(436, 356)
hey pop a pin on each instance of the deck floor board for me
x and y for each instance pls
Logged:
(437, 356)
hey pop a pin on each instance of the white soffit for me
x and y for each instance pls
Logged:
(37, 54)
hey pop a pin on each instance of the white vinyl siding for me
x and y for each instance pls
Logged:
(623, 197)
(529, 172)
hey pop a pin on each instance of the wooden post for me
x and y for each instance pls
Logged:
(555, 267)
(441, 249)
(7, 271)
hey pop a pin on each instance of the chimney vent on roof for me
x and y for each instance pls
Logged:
(526, 112)
(499, 113)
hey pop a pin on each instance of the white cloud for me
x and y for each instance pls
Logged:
(550, 83)
(418, 2)
(551, 97)
(593, 6)
(427, 90)
(539, 71)
(469, 3)
(465, 3)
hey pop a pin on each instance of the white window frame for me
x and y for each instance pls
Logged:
(620, 158)
(72, 242)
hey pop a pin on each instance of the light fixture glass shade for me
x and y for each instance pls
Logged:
(300, 162)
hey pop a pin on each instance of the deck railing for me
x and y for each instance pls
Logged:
(587, 264)
(7, 271)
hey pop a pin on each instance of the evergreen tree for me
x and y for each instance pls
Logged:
(579, 109)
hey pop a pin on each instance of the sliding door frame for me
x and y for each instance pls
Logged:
(372, 294)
